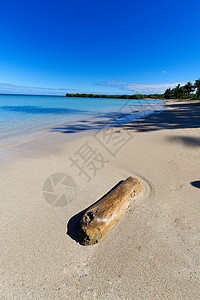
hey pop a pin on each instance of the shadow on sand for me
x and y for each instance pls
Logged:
(185, 140)
(177, 116)
(196, 184)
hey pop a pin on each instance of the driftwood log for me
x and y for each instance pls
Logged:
(102, 215)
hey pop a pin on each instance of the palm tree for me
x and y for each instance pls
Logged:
(197, 86)
(168, 94)
(178, 91)
(188, 87)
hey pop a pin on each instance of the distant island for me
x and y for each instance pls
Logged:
(188, 91)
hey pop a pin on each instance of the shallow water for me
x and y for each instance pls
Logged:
(22, 117)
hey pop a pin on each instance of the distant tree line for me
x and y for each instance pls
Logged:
(187, 91)
(135, 96)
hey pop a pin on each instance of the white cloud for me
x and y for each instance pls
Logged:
(139, 88)
(7, 88)
(111, 83)
(154, 88)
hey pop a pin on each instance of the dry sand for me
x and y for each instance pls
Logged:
(153, 252)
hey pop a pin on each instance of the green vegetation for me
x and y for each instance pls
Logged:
(188, 91)
(135, 96)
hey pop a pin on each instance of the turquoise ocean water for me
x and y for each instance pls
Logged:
(25, 117)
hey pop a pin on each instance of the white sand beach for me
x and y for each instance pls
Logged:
(152, 252)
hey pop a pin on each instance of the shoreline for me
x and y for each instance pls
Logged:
(151, 252)
(95, 122)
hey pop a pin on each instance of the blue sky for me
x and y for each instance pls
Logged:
(114, 47)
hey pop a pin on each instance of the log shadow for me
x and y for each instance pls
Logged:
(73, 226)
(73, 223)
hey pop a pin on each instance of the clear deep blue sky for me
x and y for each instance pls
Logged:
(98, 46)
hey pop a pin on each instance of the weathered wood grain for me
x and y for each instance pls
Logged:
(101, 216)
